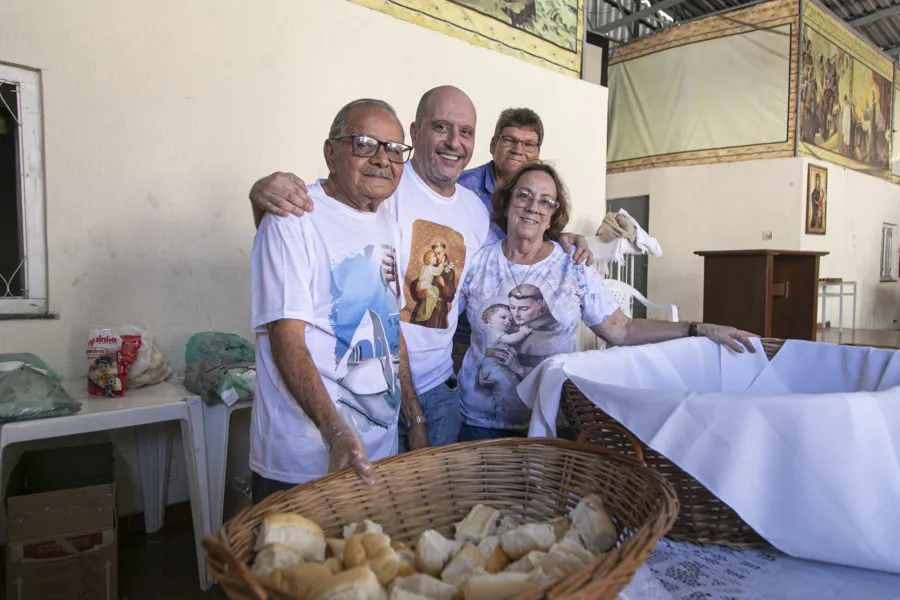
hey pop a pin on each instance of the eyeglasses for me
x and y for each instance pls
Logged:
(512, 142)
(364, 146)
(524, 198)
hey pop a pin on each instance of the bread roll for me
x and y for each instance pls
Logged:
(501, 586)
(407, 559)
(466, 560)
(372, 549)
(401, 594)
(295, 532)
(496, 558)
(560, 562)
(433, 551)
(507, 524)
(591, 526)
(356, 584)
(334, 564)
(527, 563)
(526, 538)
(335, 548)
(364, 526)
(425, 585)
(481, 522)
(561, 526)
(274, 556)
(574, 548)
(300, 580)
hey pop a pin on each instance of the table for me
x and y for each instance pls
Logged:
(210, 424)
(682, 571)
(149, 409)
(824, 294)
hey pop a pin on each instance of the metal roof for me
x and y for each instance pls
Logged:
(623, 21)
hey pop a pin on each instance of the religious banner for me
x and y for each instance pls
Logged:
(544, 32)
(846, 97)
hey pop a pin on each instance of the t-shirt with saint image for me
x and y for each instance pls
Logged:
(521, 315)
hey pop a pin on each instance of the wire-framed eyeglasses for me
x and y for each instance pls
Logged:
(365, 146)
(525, 198)
(527, 145)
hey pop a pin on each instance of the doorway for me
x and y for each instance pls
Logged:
(639, 208)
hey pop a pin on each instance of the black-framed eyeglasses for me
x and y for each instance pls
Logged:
(512, 142)
(524, 198)
(365, 146)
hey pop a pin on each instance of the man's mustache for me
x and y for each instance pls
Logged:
(378, 173)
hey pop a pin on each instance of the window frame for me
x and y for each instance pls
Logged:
(31, 193)
(887, 252)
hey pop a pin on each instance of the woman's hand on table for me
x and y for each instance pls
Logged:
(733, 338)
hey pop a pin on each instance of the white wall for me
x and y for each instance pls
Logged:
(159, 116)
(857, 205)
(725, 206)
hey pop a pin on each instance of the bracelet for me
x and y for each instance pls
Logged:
(693, 329)
(418, 420)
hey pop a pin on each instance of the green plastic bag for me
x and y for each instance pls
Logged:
(29, 358)
(219, 348)
(26, 393)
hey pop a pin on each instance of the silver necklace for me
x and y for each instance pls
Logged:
(527, 272)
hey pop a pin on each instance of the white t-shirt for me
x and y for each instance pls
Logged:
(523, 315)
(439, 236)
(325, 269)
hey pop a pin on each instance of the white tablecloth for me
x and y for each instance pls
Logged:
(806, 449)
(679, 571)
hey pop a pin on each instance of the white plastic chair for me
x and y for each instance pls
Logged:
(626, 295)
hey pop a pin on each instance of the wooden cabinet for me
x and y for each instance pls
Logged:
(773, 293)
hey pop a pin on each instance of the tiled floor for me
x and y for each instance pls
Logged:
(161, 566)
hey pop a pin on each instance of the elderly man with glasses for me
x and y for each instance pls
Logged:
(332, 367)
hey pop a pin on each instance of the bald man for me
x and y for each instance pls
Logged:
(442, 225)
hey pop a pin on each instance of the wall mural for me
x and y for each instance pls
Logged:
(544, 32)
(846, 105)
(553, 20)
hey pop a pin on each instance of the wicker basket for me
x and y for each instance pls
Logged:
(703, 519)
(534, 479)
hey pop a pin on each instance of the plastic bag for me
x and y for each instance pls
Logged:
(157, 371)
(219, 348)
(28, 393)
(29, 359)
(116, 354)
(237, 384)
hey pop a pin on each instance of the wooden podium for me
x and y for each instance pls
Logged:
(772, 293)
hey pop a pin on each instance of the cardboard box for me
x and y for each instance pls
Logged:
(62, 526)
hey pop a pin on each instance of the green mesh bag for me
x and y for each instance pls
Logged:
(29, 359)
(26, 393)
(219, 348)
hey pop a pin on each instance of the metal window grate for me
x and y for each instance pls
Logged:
(887, 251)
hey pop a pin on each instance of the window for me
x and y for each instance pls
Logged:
(887, 251)
(23, 247)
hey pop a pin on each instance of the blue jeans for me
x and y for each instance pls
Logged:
(443, 411)
(472, 433)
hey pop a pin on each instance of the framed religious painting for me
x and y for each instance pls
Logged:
(816, 200)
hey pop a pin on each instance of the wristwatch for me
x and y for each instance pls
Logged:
(693, 329)
(419, 419)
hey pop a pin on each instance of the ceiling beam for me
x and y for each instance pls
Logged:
(875, 16)
(893, 52)
(636, 16)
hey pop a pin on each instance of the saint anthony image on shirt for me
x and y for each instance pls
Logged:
(816, 200)
(519, 335)
(434, 287)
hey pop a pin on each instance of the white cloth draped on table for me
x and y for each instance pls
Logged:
(806, 449)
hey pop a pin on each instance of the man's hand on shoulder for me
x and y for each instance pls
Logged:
(583, 254)
(281, 194)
